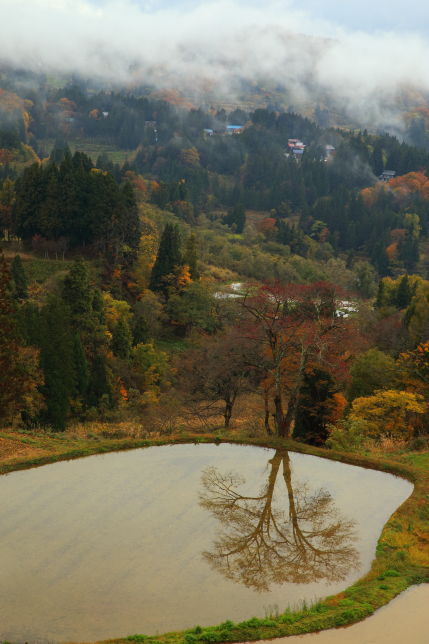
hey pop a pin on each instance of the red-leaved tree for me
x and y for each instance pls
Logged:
(295, 327)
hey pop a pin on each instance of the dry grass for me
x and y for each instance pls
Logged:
(12, 449)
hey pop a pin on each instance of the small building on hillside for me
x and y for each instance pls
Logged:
(298, 152)
(208, 131)
(296, 144)
(329, 152)
(387, 175)
(296, 148)
(234, 129)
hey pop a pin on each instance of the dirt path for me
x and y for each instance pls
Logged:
(404, 620)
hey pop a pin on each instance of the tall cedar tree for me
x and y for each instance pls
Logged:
(141, 332)
(168, 259)
(191, 257)
(236, 218)
(18, 364)
(122, 339)
(130, 227)
(80, 364)
(100, 385)
(77, 292)
(75, 201)
(314, 407)
(19, 278)
(57, 361)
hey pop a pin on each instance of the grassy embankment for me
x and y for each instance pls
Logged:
(402, 557)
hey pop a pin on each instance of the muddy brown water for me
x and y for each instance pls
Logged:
(165, 538)
(405, 619)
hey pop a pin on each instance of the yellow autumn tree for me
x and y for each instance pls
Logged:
(388, 414)
(414, 369)
(115, 309)
(148, 247)
(417, 314)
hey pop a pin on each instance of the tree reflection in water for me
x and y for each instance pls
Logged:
(261, 544)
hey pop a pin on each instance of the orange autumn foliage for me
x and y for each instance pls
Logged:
(403, 187)
(337, 406)
(392, 251)
(139, 184)
(266, 226)
(122, 391)
(183, 277)
(11, 102)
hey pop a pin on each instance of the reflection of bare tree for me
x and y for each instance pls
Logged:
(261, 544)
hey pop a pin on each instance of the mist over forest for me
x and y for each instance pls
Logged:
(216, 50)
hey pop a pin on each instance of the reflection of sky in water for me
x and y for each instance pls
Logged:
(110, 545)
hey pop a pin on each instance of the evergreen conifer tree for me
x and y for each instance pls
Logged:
(8, 341)
(80, 366)
(57, 363)
(141, 333)
(100, 386)
(28, 320)
(122, 339)
(191, 258)
(381, 294)
(130, 228)
(77, 291)
(403, 295)
(19, 372)
(98, 306)
(19, 278)
(377, 160)
(314, 407)
(236, 218)
(168, 259)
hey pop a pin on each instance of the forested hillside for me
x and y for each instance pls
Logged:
(165, 265)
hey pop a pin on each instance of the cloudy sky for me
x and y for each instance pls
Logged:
(363, 52)
(367, 15)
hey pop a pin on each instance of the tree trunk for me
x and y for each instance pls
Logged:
(278, 415)
(267, 413)
(289, 417)
(284, 430)
(227, 413)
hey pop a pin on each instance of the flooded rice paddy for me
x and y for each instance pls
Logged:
(405, 619)
(165, 538)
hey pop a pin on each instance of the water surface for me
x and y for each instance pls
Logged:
(164, 538)
(405, 619)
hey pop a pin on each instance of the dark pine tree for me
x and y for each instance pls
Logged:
(18, 370)
(168, 259)
(77, 292)
(8, 341)
(404, 293)
(100, 385)
(191, 257)
(236, 219)
(129, 228)
(141, 333)
(381, 294)
(122, 339)
(57, 362)
(314, 407)
(80, 364)
(19, 278)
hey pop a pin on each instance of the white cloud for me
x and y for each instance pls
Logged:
(218, 41)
